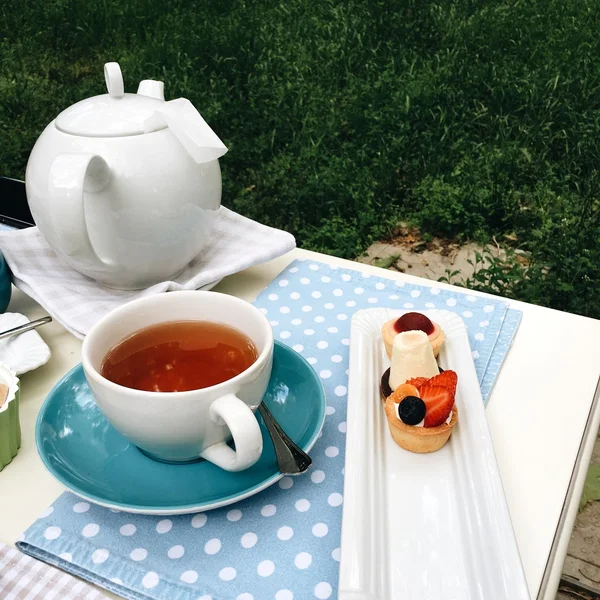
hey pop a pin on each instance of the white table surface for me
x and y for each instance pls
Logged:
(542, 417)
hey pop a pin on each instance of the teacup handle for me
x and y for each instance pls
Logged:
(242, 423)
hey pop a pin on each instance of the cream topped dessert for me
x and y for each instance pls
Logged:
(412, 321)
(419, 397)
(412, 356)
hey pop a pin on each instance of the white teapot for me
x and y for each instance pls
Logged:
(126, 188)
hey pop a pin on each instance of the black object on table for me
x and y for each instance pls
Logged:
(14, 210)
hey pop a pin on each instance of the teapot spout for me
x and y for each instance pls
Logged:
(152, 89)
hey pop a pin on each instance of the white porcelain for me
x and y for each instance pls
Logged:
(126, 187)
(427, 526)
(23, 352)
(183, 426)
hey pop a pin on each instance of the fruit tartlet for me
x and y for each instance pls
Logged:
(412, 321)
(421, 413)
(419, 400)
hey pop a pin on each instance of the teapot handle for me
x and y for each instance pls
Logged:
(70, 176)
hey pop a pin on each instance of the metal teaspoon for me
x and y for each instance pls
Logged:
(25, 327)
(291, 459)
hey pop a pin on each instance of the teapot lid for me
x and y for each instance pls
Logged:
(115, 114)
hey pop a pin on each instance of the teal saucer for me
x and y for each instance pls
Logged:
(82, 450)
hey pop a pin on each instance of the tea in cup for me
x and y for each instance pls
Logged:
(179, 356)
(179, 374)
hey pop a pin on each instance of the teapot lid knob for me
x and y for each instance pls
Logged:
(114, 80)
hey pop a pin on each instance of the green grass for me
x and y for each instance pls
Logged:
(469, 118)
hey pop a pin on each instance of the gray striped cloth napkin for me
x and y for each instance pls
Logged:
(24, 578)
(77, 302)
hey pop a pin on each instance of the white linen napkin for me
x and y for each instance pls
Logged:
(77, 302)
(24, 578)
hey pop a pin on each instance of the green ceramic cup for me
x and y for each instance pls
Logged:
(4, 285)
(10, 427)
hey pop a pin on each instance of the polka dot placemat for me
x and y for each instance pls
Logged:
(284, 543)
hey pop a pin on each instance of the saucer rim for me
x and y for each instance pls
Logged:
(177, 509)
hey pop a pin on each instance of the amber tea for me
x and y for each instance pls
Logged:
(179, 356)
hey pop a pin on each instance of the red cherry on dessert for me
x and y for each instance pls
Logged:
(414, 321)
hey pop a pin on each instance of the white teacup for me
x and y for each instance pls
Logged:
(184, 426)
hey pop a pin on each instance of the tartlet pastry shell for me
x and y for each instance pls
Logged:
(418, 439)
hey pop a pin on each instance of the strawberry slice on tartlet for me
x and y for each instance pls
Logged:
(438, 401)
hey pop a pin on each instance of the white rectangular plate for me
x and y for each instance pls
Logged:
(422, 526)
